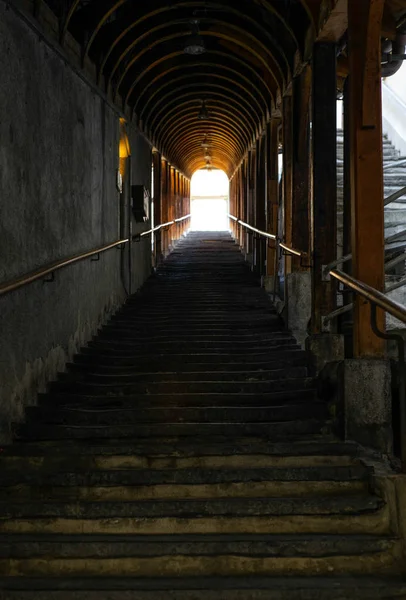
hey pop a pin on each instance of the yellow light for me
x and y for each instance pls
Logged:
(124, 148)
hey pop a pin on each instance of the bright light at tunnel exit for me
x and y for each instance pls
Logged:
(210, 200)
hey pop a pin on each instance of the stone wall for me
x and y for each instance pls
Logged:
(59, 143)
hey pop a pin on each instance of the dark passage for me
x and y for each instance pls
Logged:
(185, 455)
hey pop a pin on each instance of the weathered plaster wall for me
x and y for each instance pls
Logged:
(58, 161)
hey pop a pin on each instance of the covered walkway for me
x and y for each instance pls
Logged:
(185, 454)
(188, 414)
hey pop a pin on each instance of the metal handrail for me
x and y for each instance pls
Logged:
(270, 236)
(144, 233)
(371, 294)
(292, 251)
(395, 196)
(183, 218)
(378, 299)
(15, 284)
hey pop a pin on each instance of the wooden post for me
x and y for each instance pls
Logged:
(272, 189)
(301, 165)
(260, 204)
(156, 158)
(324, 208)
(287, 128)
(366, 165)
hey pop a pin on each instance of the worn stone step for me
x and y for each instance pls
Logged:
(101, 375)
(193, 476)
(132, 401)
(199, 386)
(269, 557)
(320, 448)
(119, 493)
(248, 351)
(205, 588)
(189, 335)
(275, 430)
(345, 514)
(125, 416)
(121, 344)
(190, 362)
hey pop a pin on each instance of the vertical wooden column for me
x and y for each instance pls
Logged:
(366, 164)
(272, 189)
(324, 208)
(245, 216)
(287, 128)
(156, 158)
(301, 165)
(260, 210)
(164, 183)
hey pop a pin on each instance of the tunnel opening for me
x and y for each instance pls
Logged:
(210, 190)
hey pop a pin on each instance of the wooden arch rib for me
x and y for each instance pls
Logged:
(181, 148)
(223, 59)
(275, 69)
(217, 83)
(194, 140)
(231, 128)
(169, 8)
(227, 84)
(195, 160)
(161, 96)
(278, 82)
(178, 110)
(240, 105)
(195, 133)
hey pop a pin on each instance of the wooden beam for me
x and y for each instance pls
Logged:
(366, 165)
(333, 21)
(272, 188)
(324, 206)
(287, 127)
(302, 86)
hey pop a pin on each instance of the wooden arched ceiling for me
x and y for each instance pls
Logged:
(138, 48)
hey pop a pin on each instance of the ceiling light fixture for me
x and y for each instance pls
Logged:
(204, 113)
(194, 44)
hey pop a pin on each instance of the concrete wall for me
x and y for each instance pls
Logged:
(58, 162)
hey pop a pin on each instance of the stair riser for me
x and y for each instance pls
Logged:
(188, 387)
(377, 524)
(273, 489)
(101, 376)
(279, 431)
(197, 566)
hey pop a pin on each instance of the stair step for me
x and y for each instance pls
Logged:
(196, 556)
(190, 362)
(274, 430)
(322, 448)
(193, 476)
(101, 375)
(204, 588)
(346, 514)
(199, 386)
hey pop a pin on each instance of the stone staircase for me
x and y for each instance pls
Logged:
(185, 455)
(394, 179)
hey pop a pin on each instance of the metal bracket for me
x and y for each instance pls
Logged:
(96, 258)
(325, 275)
(50, 279)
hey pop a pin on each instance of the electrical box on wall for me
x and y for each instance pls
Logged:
(140, 202)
